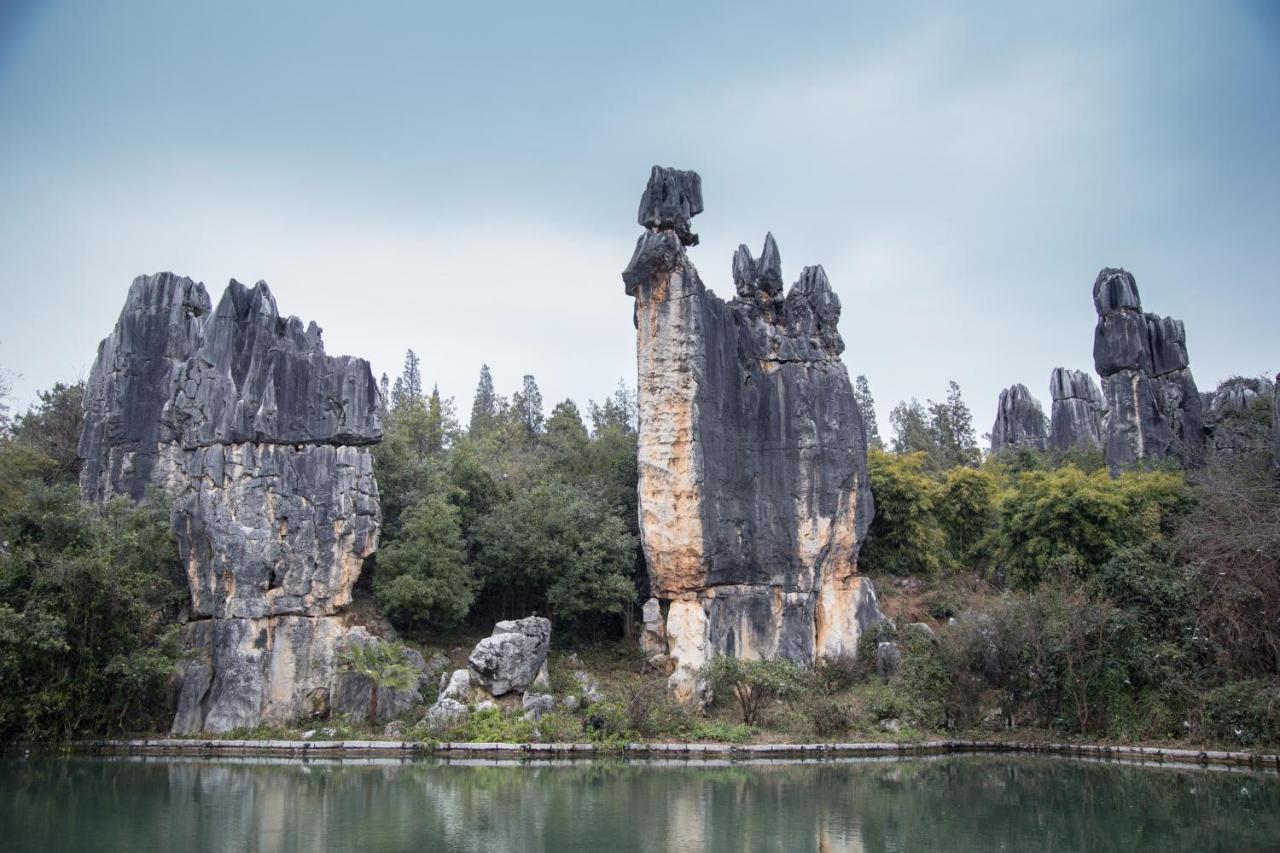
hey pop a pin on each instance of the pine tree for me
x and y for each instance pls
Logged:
(484, 406)
(408, 387)
(951, 427)
(867, 405)
(440, 423)
(962, 436)
(384, 395)
(619, 411)
(912, 428)
(527, 404)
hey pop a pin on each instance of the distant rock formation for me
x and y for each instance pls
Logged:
(1153, 406)
(1075, 420)
(1237, 415)
(752, 452)
(1020, 422)
(257, 437)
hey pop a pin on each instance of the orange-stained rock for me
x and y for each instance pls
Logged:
(752, 451)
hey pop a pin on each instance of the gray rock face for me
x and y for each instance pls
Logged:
(653, 637)
(888, 659)
(1154, 410)
(1231, 416)
(753, 489)
(1075, 419)
(1020, 422)
(510, 659)
(256, 435)
(1275, 423)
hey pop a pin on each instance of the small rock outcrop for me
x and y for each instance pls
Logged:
(1154, 410)
(1075, 419)
(653, 635)
(258, 438)
(507, 668)
(512, 658)
(1020, 422)
(754, 498)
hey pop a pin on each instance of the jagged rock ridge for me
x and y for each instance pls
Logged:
(1153, 406)
(1020, 422)
(752, 452)
(1075, 419)
(1231, 416)
(256, 436)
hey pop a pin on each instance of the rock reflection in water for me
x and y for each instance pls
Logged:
(952, 803)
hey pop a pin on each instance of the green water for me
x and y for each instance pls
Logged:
(952, 803)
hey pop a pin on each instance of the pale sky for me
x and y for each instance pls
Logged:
(463, 179)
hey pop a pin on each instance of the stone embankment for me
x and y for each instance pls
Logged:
(733, 752)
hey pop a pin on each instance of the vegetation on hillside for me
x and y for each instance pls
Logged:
(1054, 597)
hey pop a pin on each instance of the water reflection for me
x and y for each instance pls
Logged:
(952, 803)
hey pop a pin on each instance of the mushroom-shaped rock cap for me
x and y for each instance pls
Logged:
(670, 201)
(1114, 290)
(1067, 384)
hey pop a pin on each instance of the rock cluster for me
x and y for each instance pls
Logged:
(1153, 406)
(259, 439)
(1075, 420)
(752, 453)
(1020, 422)
(1231, 415)
(503, 669)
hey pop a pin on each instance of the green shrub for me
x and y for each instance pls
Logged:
(651, 712)
(1049, 515)
(827, 716)
(606, 722)
(719, 731)
(882, 702)
(836, 674)
(559, 727)
(966, 509)
(490, 725)
(1245, 712)
(925, 681)
(754, 683)
(904, 537)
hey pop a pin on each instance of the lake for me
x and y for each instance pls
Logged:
(951, 802)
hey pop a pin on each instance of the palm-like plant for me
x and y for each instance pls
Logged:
(383, 664)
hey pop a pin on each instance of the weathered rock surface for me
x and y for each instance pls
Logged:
(256, 436)
(504, 666)
(1020, 422)
(1075, 420)
(753, 489)
(1275, 423)
(653, 636)
(1154, 410)
(511, 658)
(888, 659)
(1232, 416)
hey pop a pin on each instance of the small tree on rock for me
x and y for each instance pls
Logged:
(383, 664)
